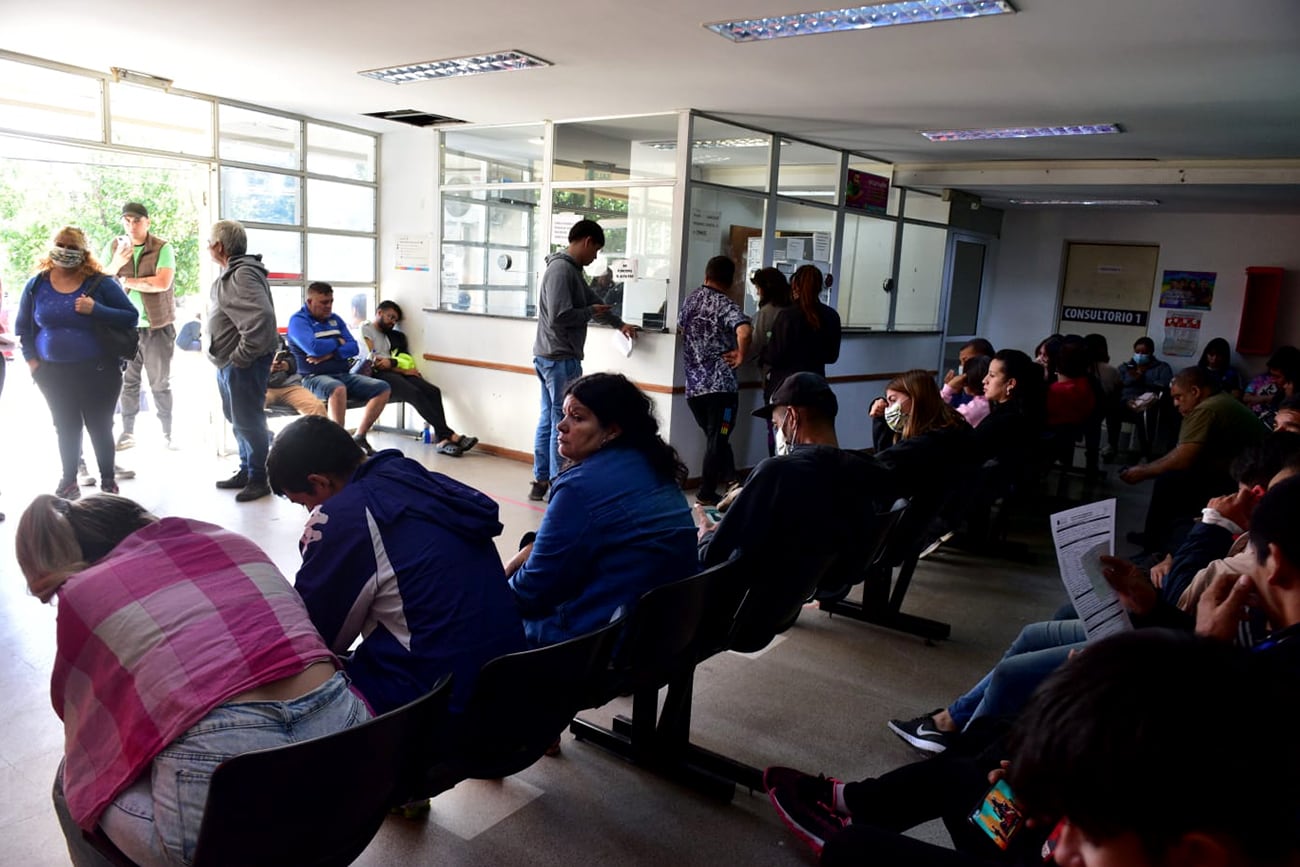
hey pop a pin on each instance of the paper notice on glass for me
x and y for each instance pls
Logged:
(623, 343)
(1081, 536)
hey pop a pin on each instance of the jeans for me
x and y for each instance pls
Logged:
(358, 387)
(555, 375)
(243, 399)
(423, 396)
(716, 416)
(156, 819)
(1038, 650)
(81, 394)
(154, 358)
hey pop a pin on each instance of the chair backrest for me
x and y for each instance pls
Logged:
(728, 585)
(522, 702)
(851, 566)
(319, 802)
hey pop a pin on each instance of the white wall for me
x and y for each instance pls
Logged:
(1020, 307)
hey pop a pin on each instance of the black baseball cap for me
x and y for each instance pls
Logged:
(135, 209)
(802, 389)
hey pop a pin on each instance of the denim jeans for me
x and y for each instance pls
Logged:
(243, 402)
(1038, 650)
(156, 819)
(555, 375)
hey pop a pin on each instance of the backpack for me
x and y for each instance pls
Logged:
(120, 342)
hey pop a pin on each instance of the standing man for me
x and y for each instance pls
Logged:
(241, 322)
(715, 337)
(564, 307)
(145, 265)
(324, 347)
(385, 343)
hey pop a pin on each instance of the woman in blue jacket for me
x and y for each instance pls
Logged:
(70, 364)
(617, 524)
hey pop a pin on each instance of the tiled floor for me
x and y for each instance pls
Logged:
(817, 699)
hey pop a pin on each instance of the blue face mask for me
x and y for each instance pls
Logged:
(1141, 358)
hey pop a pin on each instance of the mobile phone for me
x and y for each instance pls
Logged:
(713, 514)
(998, 815)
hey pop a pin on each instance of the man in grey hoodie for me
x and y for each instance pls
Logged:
(564, 307)
(241, 325)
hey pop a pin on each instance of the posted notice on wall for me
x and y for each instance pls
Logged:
(1182, 333)
(1081, 536)
(705, 225)
(414, 253)
(560, 226)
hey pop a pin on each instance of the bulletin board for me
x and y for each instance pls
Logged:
(1107, 289)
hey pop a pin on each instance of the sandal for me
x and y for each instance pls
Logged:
(450, 448)
(466, 443)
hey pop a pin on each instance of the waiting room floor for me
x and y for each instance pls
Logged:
(817, 698)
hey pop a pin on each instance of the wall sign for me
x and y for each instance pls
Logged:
(1188, 290)
(1105, 316)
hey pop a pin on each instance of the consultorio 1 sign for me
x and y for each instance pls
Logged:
(1105, 316)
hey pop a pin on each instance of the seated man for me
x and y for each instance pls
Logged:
(1125, 755)
(399, 556)
(284, 388)
(324, 348)
(806, 506)
(1216, 428)
(385, 342)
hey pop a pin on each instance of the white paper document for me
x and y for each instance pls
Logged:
(1081, 536)
(623, 343)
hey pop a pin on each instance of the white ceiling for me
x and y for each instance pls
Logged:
(1187, 79)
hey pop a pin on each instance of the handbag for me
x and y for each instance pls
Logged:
(120, 342)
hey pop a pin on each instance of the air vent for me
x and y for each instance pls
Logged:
(413, 117)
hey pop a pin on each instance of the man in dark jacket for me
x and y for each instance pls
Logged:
(565, 305)
(398, 555)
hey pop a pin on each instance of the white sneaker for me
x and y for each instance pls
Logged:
(125, 441)
(84, 476)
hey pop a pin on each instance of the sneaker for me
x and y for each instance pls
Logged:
(450, 448)
(172, 445)
(84, 476)
(537, 492)
(119, 473)
(363, 444)
(922, 733)
(238, 480)
(68, 490)
(466, 443)
(108, 486)
(256, 489)
(125, 441)
(806, 804)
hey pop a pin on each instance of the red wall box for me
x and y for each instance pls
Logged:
(1259, 311)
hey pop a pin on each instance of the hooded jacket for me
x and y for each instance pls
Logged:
(241, 315)
(564, 308)
(404, 557)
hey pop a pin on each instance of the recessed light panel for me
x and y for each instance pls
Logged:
(501, 61)
(1020, 132)
(856, 18)
(1088, 203)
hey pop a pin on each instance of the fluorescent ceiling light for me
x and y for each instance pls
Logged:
(1020, 132)
(712, 143)
(500, 61)
(1096, 203)
(856, 18)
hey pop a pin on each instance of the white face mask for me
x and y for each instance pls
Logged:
(783, 445)
(65, 258)
(895, 418)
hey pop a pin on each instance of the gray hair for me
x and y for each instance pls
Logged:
(234, 241)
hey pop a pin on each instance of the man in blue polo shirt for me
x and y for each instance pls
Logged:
(324, 349)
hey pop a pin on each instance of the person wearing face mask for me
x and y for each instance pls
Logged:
(68, 361)
(805, 505)
(917, 435)
(1144, 372)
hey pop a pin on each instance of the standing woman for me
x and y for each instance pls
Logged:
(806, 335)
(79, 378)
(773, 297)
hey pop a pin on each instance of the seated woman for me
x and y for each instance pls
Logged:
(1072, 396)
(617, 524)
(1016, 395)
(179, 645)
(1217, 359)
(970, 384)
(917, 435)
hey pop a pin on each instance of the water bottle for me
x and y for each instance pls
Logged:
(426, 437)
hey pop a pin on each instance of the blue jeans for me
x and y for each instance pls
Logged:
(156, 819)
(1038, 650)
(243, 403)
(358, 387)
(555, 375)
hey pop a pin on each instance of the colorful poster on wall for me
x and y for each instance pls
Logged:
(1182, 334)
(866, 192)
(1188, 290)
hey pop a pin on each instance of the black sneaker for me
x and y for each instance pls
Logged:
(68, 490)
(537, 492)
(235, 482)
(806, 804)
(256, 489)
(363, 444)
(922, 733)
(108, 486)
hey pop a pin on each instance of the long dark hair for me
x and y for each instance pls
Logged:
(615, 400)
(1218, 346)
(1029, 397)
(805, 286)
(773, 288)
